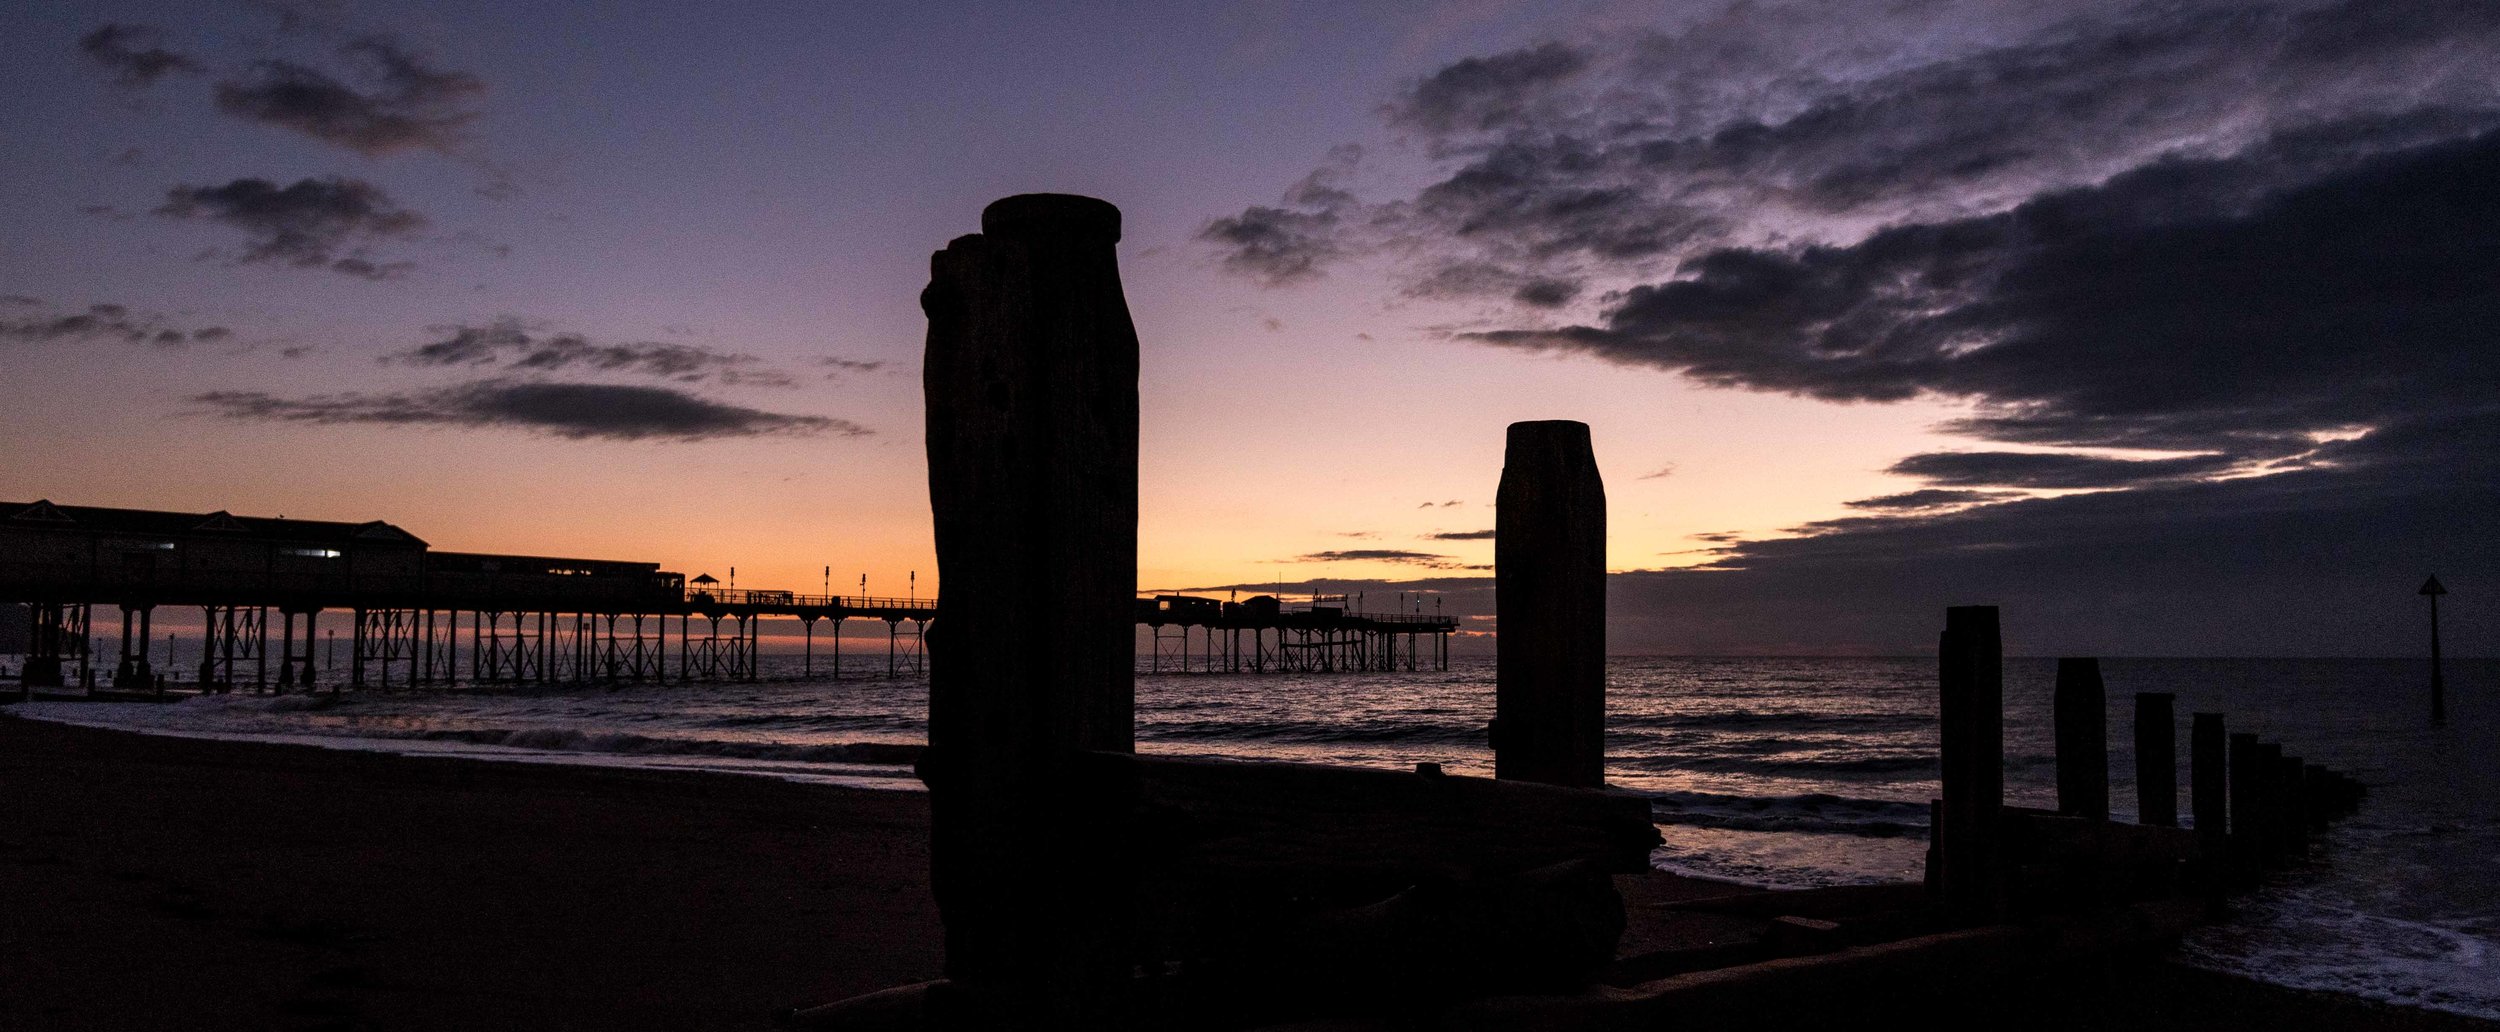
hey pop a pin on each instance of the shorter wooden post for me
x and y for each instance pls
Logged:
(2248, 816)
(2209, 783)
(2269, 779)
(2080, 710)
(2156, 760)
(1549, 587)
(1971, 707)
(2292, 805)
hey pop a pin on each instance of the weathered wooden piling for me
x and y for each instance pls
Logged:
(2292, 801)
(2209, 784)
(2272, 834)
(2248, 815)
(1971, 709)
(2080, 710)
(1549, 584)
(2156, 760)
(1031, 386)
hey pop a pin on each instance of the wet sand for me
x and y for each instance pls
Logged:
(165, 883)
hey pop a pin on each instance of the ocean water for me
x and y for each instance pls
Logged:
(1774, 772)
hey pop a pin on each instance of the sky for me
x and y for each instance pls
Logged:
(2166, 326)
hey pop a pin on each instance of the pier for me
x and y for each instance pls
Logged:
(417, 617)
(1322, 636)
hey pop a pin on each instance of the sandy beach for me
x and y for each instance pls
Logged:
(166, 883)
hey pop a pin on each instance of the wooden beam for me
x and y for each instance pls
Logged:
(1305, 829)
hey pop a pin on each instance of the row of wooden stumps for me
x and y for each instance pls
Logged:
(1085, 887)
(2253, 807)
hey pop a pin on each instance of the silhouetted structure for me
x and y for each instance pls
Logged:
(1549, 584)
(2080, 712)
(1321, 637)
(1031, 384)
(532, 619)
(2156, 759)
(1971, 710)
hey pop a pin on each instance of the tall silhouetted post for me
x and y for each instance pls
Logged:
(2156, 760)
(1031, 385)
(1549, 584)
(2209, 784)
(1971, 706)
(2080, 710)
(2432, 589)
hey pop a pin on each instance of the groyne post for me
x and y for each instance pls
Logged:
(1549, 585)
(2270, 789)
(2156, 760)
(2209, 784)
(1971, 706)
(2248, 811)
(2293, 805)
(1030, 379)
(2080, 710)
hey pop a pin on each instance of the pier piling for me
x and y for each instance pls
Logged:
(1549, 586)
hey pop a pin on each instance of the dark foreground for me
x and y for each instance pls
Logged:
(164, 883)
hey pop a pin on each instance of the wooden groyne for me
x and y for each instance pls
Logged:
(1084, 886)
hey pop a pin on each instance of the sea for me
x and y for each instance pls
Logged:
(1768, 772)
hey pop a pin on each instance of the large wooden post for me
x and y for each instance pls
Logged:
(2156, 760)
(1970, 680)
(1549, 585)
(2080, 711)
(1031, 385)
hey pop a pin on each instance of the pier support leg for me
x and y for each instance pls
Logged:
(1971, 685)
(2081, 711)
(286, 650)
(1031, 383)
(1549, 586)
(2156, 760)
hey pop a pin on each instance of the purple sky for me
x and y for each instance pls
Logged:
(2165, 326)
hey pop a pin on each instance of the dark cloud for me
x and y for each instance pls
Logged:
(102, 322)
(575, 411)
(2315, 561)
(1280, 245)
(131, 53)
(1389, 555)
(1463, 535)
(2136, 314)
(1485, 94)
(1661, 473)
(1451, 504)
(306, 224)
(2053, 469)
(1754, 124)
(841, 365)
(1922, 499)
(400, 103)
(515, 344)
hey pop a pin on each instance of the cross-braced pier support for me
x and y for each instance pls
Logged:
(235, 647)
(57, 655)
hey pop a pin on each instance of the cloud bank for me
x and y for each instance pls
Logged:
(573, 411)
